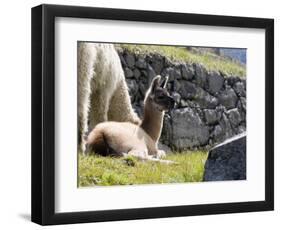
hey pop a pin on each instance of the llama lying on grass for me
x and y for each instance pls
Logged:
(141, 141)
(102, 89)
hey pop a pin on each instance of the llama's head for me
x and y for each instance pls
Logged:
(158, 95)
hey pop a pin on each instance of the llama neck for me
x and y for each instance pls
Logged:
(152, 121)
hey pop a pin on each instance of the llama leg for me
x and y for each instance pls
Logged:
(143, 155)
(83, 129)
(120, 108)
(161, 154)
(152, 158)
(85, 73)
(83, 113)
(99, 108)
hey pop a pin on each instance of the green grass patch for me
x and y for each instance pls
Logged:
(210, 61)
(96, 170)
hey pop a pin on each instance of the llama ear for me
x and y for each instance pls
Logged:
(164, 83)
(155, 82)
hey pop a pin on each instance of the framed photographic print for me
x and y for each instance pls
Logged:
(141, 114)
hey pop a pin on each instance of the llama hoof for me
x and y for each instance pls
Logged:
(138, 154)
(161, 154)
(171, 162)
(168, 162)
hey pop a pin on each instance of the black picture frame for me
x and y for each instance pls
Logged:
(43, 114)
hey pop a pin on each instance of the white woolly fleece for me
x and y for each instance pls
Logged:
(102, 89)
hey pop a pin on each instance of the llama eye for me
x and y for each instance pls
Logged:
(161, 97)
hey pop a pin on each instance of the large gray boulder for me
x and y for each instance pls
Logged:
(227, 161)
(187, 72)
(137, 73)
(185, 129)
(187, 89)
(228, 98)
(204, 99)
(141, 63)
(130, 60)
(234, 117)
(215, 82)
(240, 89)
(211, 116)
(128, 73)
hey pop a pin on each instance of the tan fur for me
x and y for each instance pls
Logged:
(152, 120)
(122, 138)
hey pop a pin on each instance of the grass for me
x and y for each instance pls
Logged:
(210, 61)
(97, 170)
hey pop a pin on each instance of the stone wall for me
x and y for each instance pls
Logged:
(211, 107)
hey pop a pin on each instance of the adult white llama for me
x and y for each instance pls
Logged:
(102, 89)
